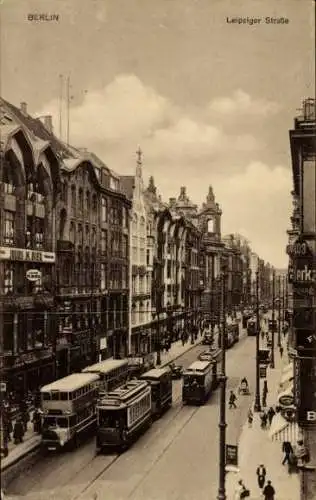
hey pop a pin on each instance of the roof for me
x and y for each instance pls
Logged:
(155, 373)
(127, 184)
(105, 366)
(198, 366)
(71, 382)
(130, 389)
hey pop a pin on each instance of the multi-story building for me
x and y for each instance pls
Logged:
(141, 262)
(29, 186)
(209, 223)
(302, 274)
(234, 286)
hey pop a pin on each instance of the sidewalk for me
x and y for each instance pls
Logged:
(177, 350)
(255, 447)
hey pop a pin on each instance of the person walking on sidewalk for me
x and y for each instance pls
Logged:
(281, 351)
(270, 414)
(268, 491)
(232, 399)
(18, 431)
(288, 451)
(241, 491)
(250, 417)
(261, 475)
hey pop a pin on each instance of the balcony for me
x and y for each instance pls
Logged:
(65, 246)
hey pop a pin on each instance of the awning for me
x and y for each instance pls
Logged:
(282, 430)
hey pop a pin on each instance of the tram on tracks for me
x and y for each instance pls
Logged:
(160, 380)
(199, 380)
(123, 414)
(69, 410)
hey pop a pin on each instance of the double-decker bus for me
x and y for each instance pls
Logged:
(112, 373)
(123, 414)
(198, 381)
(69, 409)
(160, 380)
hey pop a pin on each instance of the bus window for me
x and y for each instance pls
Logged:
(114, 418)
(46, 396)
(55, 395)
(64, 396)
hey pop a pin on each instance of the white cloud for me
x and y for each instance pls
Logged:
(242, 103)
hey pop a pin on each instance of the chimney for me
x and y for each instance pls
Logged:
(48, 123)
(23, 108)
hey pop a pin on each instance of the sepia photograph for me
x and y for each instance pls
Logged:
(157, 250)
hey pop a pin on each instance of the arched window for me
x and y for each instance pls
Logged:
(210, 226)
(62, 223)
(80, 201)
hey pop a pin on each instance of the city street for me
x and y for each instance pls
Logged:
(176, 459)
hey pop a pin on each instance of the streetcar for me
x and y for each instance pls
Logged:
(112, 373)
(68, 410)
(199, 380)
(160, 380)
(232, 334)
(123, 414)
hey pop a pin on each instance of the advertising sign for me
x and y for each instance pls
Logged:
(306, 388)
(299, 248)
(231, 454)
(263, 371)
(33, 275)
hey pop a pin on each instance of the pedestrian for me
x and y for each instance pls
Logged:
(263, 417)
(18, 431)
(270, 414)
(241, 491)
(261, 475)
(281, 351)
(268, 491)
(288, 451)
(37, 421)
(262, 335)
(232, 399)
(8, 428)
(250, 417)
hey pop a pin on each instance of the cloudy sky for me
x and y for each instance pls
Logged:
(209, 102)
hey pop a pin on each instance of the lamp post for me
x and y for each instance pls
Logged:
(257, 406)
(273, 319)
(158, 341)
(279, 311)
(222, 417)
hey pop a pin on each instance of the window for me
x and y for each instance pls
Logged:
(73, 197)
(124, 277)
(80, 234)
(104, 240)
(64, 192)
(148, 257)
(94, 237)
(87, 240)
(88, 201)
(125, 246)
(80, 200)
(8, 277)
(103, 276)
(9, 226)
(210, 226)
(103, 209)
(124, 217)
(72, 232)
(39, 233)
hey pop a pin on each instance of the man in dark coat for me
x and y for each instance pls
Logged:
(232, 399)
(18, 431)
(268, 491)
(261, 475)
(288, 451)
(271, 414)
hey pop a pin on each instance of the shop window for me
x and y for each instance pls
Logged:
(8, 277)
(9, 227)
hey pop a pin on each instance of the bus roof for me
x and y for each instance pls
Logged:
(71, 382)
(199, 366)
(123, 393)
(105, 366)
(155, 373)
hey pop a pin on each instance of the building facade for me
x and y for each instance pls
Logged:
(29, 186)
(302, 272)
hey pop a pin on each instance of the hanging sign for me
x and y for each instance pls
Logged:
(33, 275)
(231, 454)
(263, 371)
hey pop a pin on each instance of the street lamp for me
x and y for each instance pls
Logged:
(222, 417)
(257, 406)
(273, 319)
(279, 312)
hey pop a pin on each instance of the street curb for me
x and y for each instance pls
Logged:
(19, 458)
(181, 354)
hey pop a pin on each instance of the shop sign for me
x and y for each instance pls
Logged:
(306, 410)
(231, 454)
(286, 400)
(299, 248)
(26, 255)
(302, 272)
(33, 275)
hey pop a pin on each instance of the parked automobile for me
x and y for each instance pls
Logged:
(208, 339)
(176, 370)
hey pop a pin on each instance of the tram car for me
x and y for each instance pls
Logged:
(69, 410)
(232, 334)
(199, 380)
(160, 380)
(123, 414)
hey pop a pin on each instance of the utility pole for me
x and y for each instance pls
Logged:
(273, 319)
(222, 416)
(279, 311)
(257, 406)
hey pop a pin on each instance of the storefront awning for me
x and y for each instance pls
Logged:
(282, 430)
